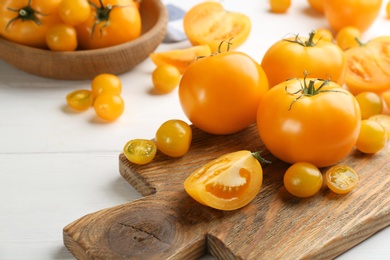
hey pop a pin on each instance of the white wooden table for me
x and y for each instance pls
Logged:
(57, 165)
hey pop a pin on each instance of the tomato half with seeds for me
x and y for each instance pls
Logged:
(309, 120)
(290, 57)
(26, 22)
(140, 151)
(358, 13)
(368, 66)
(111, 22)
(209, 23)
(341, 179)
(80, 99)
(220, 94)
(228, 182)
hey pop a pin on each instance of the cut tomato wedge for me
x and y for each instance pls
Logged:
(209, 23)
(180, 58)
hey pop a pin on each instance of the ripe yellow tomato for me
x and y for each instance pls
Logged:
(61, 37)
(174, 137)
(348, 37)
(309, 120)
(303, 179)
(383, 120)
(372, 137)
(106, 83)
(111, 22)
(108, 106)
(209, 23)
(279, 6)
(341, 179)
(165, 78)
(220, 93)
(289, 58)
(26, 22)
(358, 13)
(323, 34)
(317, 5)
(370, 104)
(74, 12)
(228, 182)
(368, 66)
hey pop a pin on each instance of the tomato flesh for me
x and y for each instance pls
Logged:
(226, 183)
(80, 99)
(341, 179)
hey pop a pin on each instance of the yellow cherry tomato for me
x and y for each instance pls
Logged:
(106, 83)
(109, 107)
(370, 104)
(165, 78)
(347, 37)
(74, 12)
(279, 6)
(372, 137)
(383, 120)
(61, 37)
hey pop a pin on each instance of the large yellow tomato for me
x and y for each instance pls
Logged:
(309, 120)
(228, 182)
(358, 13)
(220, 93)
(111, 22)
(209, 23)
(289, 58)
(26, 22)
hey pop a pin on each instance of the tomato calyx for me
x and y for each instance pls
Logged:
(229, 43)
(259, 157)
(309, 90)
(26, 13)
(308, 43)
(102, 15)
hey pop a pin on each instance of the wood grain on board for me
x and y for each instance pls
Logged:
(168, 224)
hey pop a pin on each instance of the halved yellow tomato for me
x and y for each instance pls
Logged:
(209, 23)
(180, 58)
(368, 66)
(228, 182)
(341, 179)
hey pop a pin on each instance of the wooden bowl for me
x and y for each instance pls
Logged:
(86, 64)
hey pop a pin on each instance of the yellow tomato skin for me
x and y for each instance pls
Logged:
(346, 37)
(287, 59)
(358, 13)
(317, 5)
(372, 137)
(279, 6)
(321, 129)
(74, 12)
(368, 66)
(209, 23)
(220, 94)
(227, 183)
(123, 25)
(61, 37)
(31, 33)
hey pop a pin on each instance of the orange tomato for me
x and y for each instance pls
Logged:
(220, 93)
(323, 34)
(26, 22)
(368, 66)
(341, 179)
(209, 23)
(279, 6)
(111, 22)
(228, 182)
(346, 37)
(61, 37)
(180, 58)
(289, 58)
(358, 13)
(74, 12)
(309, 120)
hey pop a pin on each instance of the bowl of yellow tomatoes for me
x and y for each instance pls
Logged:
(79, 39)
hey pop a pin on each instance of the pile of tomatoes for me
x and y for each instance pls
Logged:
(67, 25)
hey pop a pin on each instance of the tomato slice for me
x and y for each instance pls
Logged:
(368, 66)
(80, 99)
(180, 58)
(209, 23)
(341, 179)
(228, 182)
(140, 151)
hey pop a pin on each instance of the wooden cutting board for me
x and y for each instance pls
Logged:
(168, 224)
